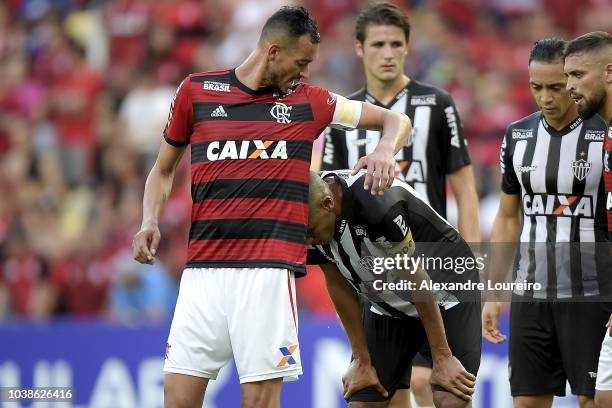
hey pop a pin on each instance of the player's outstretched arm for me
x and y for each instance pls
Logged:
(380, 164)
(361, 374)
(506, 229)
(447, 370)
(157, 190)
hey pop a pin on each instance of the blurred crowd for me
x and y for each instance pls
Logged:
(85, 89)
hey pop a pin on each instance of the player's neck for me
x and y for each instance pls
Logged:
(606, 110)
(251, 71)
(563, 122)
(336, 190)
(385, 91)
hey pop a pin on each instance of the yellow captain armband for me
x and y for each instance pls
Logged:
(406, 247)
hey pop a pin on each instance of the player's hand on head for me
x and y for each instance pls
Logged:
(361, 375)
(145, 244)
(380, 167)
(490, 323)
(448, 373)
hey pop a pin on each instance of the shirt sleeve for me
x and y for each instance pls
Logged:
(510, 183)
(334, 110)
(180, 119)
(315, 257)
(453, 136)
(334, 155)
(396, 228)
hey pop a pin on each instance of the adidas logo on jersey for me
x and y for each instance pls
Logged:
(247, 149)
(219, 112)
(558, 205)
(216, 86)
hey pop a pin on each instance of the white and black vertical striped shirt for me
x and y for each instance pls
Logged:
(438, 144)
(401, 219)
(558, 175)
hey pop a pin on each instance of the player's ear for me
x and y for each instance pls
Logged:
(272, 51)
(327, 202)
(359, 48)
(608, 73)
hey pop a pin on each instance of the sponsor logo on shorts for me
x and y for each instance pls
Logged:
(592, 374)
(168, 346)
(287, 356)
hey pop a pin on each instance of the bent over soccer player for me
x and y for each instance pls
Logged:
(588, 66)
(348, 230)
(437, 152)
(251, 131)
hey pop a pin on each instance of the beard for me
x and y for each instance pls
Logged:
(591, 106)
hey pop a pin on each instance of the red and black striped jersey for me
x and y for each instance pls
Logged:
(608, 177)
(250, 160)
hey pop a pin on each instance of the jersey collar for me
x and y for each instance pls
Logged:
(396, 98)
(554, 132)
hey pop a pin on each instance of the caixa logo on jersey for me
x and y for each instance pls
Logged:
(558, 205)
(246, 149)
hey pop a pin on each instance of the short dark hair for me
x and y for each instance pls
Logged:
(294, 22)
(548, 50)
(381, 14)
(593, 41)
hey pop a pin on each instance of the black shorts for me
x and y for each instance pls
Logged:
(394, 342)
(551, 343)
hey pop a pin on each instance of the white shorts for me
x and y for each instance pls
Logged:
(604, 370)
(249, 313)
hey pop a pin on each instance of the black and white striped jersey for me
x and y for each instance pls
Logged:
(438, 145)
(558, 175)
(400, 220)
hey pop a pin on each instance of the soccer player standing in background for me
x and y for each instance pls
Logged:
(588, 66)
(552, 171)
(251, 131)
(438, 147)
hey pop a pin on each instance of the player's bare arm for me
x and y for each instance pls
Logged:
(361, 374)
(380, 164)
(157, 190)
(463, 184)
(506, 229)
(447, 371)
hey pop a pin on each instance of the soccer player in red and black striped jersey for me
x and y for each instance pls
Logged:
(588, 67)
(251, 131)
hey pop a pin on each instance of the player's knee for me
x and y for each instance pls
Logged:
(175, 399)
(182, 391)
(448, 400)
(361, 404)
(419, 385)
(603, 399)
